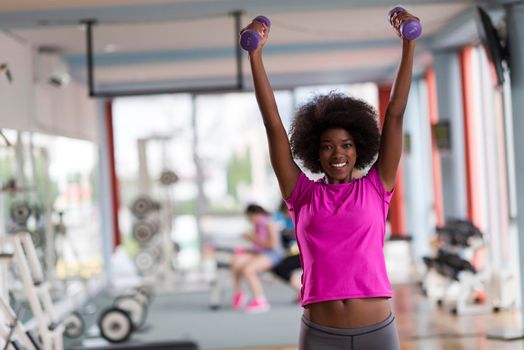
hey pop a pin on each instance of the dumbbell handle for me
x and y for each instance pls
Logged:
(410, 29)
(249, 39)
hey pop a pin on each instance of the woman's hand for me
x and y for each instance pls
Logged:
(262, 29)
(249, 236)
(400, 17)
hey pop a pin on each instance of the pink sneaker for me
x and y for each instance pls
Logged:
(257, 305)
(239, 299)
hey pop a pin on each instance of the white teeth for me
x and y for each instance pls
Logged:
(338, 165)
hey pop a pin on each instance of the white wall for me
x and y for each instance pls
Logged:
(16, 98)
(28, 105)
(65, 111)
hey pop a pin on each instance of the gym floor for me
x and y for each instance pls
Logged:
(422, 325)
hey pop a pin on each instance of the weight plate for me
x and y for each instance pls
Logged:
(141, 206)
(168, 177)
(146, 291)
(20, 213)
(74, 325)
(60, 229)
(115, 325)
(137, 310)
(142, 298)
(146, 261)
(143, 231)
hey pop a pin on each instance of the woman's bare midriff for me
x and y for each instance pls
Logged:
(348, 313)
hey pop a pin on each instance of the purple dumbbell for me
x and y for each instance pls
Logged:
(250, 38)
(410, 29)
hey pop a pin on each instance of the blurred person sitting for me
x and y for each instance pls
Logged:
(264, 255)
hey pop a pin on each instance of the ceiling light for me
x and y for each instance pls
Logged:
(109, 48)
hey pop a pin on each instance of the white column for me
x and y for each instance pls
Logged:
(104, 196)
(449, 91)
(418, 170)
(515, 29)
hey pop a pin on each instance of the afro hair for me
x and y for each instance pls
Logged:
(333, 111)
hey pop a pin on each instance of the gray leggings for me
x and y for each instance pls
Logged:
(382, 335)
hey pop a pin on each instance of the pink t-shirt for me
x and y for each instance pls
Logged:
(262, 232)
(340, 232)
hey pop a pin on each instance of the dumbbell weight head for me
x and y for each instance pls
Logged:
(410, 29)
(250, 38)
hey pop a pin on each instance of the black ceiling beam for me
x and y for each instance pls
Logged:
(91, 81)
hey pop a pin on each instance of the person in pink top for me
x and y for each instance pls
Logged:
(264, 255)
(340, 219)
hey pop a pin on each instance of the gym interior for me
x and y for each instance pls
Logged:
(131, 143)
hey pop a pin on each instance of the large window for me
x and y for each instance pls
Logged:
(56, 177)
(217, 146)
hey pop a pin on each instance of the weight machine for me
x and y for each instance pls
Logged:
(13, 334)
(18, 251)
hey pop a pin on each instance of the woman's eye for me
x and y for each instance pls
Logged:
(348, 145)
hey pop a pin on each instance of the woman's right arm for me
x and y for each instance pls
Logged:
(285, 168)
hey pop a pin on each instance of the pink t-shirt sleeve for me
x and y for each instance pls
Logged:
(300, 190)
(374, 178)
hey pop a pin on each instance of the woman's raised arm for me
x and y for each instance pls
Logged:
(285, 168)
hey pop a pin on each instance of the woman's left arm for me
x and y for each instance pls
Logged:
(392, 131)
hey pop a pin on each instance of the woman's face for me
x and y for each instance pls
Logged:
(255, 218)
(338, 154)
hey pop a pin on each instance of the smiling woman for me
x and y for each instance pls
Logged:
(339, 223)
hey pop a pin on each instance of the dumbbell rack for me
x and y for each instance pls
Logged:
(37, 290)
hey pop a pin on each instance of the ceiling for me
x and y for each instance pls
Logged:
(146, 45)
